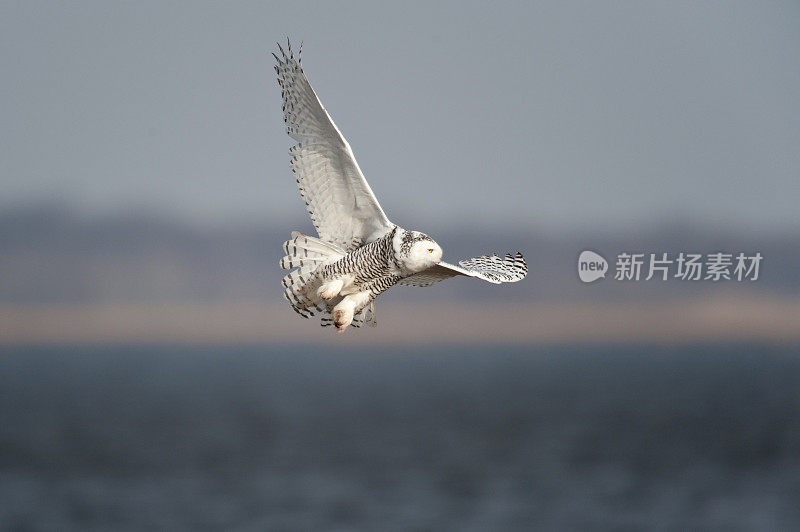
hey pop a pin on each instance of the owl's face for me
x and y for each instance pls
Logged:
(416, 251)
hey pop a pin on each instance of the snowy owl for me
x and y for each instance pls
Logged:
(359, 253)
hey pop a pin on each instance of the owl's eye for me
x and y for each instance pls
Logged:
(430, 251)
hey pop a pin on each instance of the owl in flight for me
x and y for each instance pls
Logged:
(359, 253)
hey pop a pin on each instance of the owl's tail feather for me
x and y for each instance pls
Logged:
(306, 254)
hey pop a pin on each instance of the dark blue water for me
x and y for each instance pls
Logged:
(612, 438)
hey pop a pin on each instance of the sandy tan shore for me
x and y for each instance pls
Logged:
(720, 319)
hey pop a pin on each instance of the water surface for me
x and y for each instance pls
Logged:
(595, 438)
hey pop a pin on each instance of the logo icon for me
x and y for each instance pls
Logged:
(591, 266)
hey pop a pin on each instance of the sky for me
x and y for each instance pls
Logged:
(556, 115)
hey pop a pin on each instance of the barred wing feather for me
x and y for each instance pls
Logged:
(342, 206)
(491, 268)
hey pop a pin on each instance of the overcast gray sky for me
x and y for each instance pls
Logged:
(555, 114)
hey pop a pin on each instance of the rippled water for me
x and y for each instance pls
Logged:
(611, 438)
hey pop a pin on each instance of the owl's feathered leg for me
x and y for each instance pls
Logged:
(330, 289)
(343, 312)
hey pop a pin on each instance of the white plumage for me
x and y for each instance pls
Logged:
(359, 252)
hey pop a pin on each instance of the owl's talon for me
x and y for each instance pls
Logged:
(341, 319)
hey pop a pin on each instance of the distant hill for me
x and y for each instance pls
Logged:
(51, 255)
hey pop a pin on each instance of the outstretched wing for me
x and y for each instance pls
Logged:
(492, 268)
(341, 204)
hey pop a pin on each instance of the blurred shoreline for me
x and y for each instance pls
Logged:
(720, 319)
(134, 279)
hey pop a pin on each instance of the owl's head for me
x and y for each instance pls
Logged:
(415, 251)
